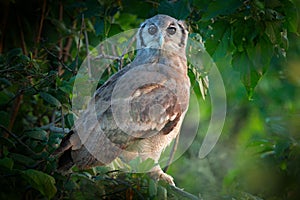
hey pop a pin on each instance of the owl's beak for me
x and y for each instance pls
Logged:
(161, 41)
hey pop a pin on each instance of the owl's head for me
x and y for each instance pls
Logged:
(163, 32)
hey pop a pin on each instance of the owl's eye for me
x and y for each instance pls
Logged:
(152, 29)
(171, 30)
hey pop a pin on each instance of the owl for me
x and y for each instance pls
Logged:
(139, 110)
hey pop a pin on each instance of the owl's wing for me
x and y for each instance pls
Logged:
(154, 109)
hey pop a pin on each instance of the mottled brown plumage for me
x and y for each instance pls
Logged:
(140, 109)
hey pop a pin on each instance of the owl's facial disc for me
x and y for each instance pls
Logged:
(163, 32)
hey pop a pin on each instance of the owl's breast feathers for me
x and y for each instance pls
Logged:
(155, 108)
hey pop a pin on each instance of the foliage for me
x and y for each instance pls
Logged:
(43, 43)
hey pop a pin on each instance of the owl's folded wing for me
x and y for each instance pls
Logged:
(154, 109)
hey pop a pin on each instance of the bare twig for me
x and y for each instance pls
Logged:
(17, 139)
(52, 126)
(60, 42)
(86, 38)
(78, 45)
(62, 120)
(59, 59)
(107, 57)
(38, 38)
(15, 110)
(184, 194)
(69, 44)
(172, 153)
(125, 51)
(23, 43)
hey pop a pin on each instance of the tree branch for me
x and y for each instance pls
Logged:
(172, 153)
(184, 194)
(17, 139)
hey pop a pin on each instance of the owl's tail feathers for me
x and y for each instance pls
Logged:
(63, 153)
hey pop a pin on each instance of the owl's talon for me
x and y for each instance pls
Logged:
(160, 175)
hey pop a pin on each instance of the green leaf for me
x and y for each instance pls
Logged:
(38, 134)
(137, 165)
(14, 53)
(292, 17)
(67, 87)
(4, 97)
(50, 99)
(140, 8)
(152, 188)
(7, 163)
(248, 75)
(253, 63)
(40, 181)
(4, 118)
(5, 82)
(162, 193)
(261, 55)
(24, 160)
(69, 120)
(114, 29)
(99, 26)
(217, 8)
(177, 9)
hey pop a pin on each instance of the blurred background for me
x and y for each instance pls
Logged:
(255, 45)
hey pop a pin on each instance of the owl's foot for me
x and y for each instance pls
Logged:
(158, 174)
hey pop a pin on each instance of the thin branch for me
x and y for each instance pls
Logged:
(69, 44)
(23, 43)
(184, 194)
(133, 39)
(107, 57)
(15, 110)
(62, 119)
(172, 153)
(78, 45)
(61, 10)
(59, 59)
(86, 38)
(38, 38)
(52, 126)
(17, 139)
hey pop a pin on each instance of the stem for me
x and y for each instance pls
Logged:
(69, 44)
(38, 38)
(87, 47)
(17, 139)
(61, 12)
(15, 110)
(23, 43)
(78, 45)
(172, 153)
